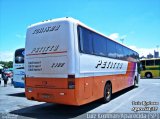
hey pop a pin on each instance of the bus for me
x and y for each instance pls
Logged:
(18, 68)
(67, 62)
(150, 68)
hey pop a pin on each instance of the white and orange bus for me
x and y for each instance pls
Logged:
(69, 63)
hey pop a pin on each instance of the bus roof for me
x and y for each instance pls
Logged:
(149, 59)
(20, 49)
(70, 19)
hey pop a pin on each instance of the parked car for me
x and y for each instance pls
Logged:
(8, 73)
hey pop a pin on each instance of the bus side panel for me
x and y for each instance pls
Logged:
(95, 88)
(84, 90)
(130, 74)
(143, 73)
(88, 89)
(98, 87)
(157, 71)
(101, 81)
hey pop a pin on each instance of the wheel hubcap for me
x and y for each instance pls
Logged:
(108, 92)
(148, 75)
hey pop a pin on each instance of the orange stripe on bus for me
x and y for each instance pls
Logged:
(87, 89)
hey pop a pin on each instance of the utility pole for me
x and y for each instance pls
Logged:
(122, 40)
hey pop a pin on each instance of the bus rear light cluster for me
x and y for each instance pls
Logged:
(71, 81)
(61, 94)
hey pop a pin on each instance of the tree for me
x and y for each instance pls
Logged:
(7, 64)
(10, 64)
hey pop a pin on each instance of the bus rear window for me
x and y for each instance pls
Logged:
(19, 56)
(19, 59)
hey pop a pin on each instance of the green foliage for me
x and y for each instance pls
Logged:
(7, 64)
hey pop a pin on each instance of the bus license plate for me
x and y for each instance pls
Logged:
(46, 96)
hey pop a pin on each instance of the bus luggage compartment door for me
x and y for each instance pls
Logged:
(88, 87)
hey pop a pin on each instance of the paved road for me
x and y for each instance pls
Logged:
(13, 103)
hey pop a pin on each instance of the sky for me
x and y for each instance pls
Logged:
(135, 21)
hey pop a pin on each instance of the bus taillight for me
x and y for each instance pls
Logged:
(71, 81)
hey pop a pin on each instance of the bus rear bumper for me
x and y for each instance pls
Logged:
(18, 84)
(61, 96)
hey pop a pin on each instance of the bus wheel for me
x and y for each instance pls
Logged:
(107, 93)
(148, 75)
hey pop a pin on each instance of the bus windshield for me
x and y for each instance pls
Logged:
(19, 56)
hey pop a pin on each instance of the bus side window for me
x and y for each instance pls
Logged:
(111, 49)
(85, 40)
(120, 52)
(157, 62)
(99, 45)
(149, 62)
(142, 66)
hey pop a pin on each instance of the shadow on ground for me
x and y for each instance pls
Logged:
(22, 94)
(58, 111)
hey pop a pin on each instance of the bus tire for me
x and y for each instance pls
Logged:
(148, 75)
(107, 92)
